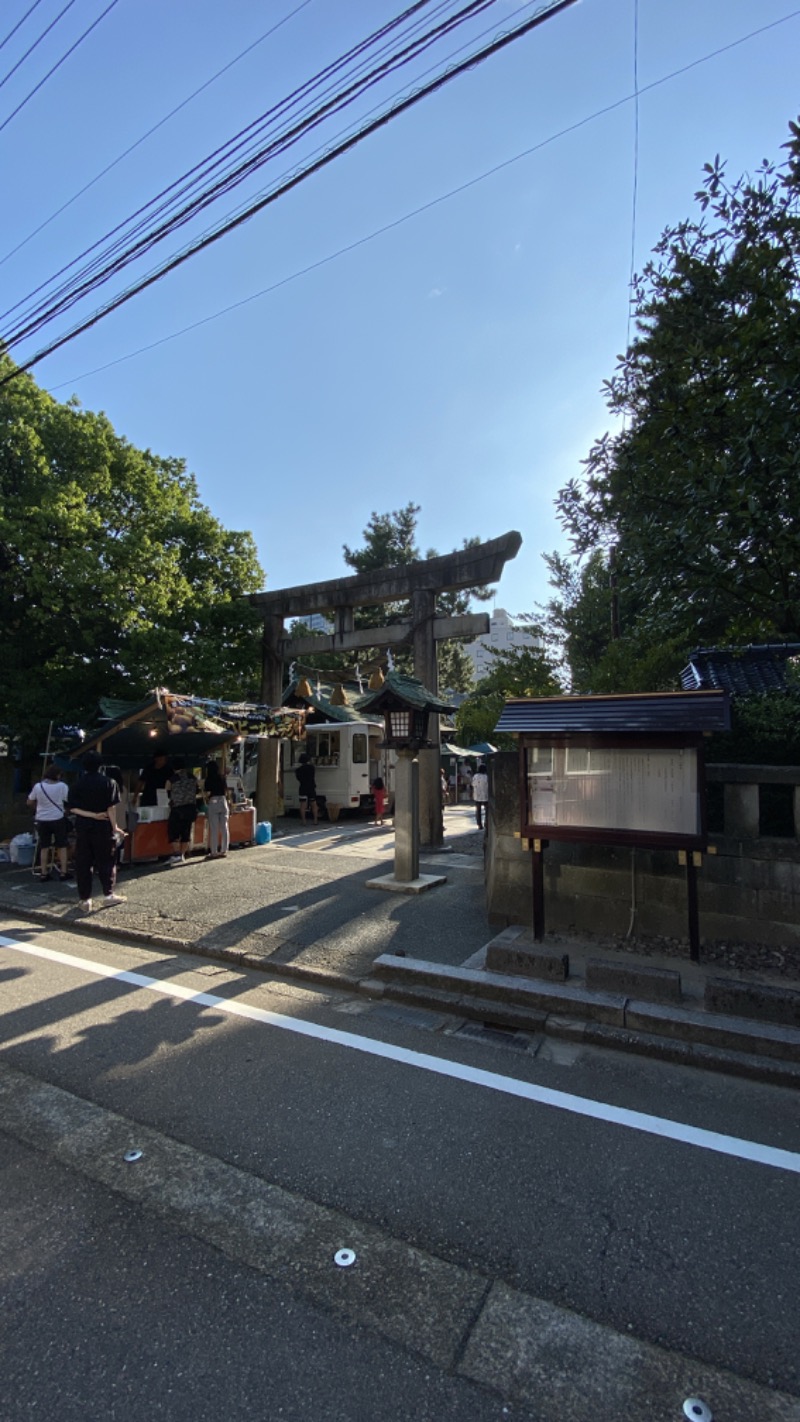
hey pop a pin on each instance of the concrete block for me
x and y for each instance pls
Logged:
(741, 811)
(573, 911)
(538, 996)
(734, 1034)
(658, 984)
(519, 960)
(726, 898)
(738, 869)
(779, 906)
(784, 875)
(759, 1000)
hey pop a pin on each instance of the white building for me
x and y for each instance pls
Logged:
(503, 636)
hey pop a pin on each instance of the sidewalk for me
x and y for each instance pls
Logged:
(300, 908)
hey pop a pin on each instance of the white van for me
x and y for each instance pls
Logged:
(346, 759)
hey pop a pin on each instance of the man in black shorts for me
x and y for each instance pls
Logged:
(182, 789)
(308, 788)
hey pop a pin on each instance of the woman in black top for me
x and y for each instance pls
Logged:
(215, 790)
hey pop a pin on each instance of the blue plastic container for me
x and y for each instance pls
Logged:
(263, 832)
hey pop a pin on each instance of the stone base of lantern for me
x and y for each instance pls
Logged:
(407, 886)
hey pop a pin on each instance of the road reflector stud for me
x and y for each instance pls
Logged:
(695, 1407)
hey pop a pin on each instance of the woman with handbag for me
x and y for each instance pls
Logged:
(49, 795)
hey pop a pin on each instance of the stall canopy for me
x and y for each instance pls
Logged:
(129, 733)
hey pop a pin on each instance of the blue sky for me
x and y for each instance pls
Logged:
(456, 360)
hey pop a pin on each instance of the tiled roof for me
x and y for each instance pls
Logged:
(409, 690)
(742, 671)
(649, 712)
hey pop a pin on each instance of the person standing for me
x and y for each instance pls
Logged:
(379, 796)
(215, 789)
(480, 794)
(49, 795)
(308, 788)
(155, 776)
(182, 790)
(91, 800)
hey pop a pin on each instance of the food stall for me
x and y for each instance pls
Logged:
(193, 730)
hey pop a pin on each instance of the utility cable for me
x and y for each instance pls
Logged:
(58, 65)
(36, 42)
(235, 142)
(19, 24)
(635, 196)
(417, 211)
(472, 61)
(156, 126)
(90, 279)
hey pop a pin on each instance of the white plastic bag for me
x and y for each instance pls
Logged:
(22, 842)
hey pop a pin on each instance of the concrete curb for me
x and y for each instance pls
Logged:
(760, 1051)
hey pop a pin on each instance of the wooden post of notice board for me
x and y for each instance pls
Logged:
(537, 859)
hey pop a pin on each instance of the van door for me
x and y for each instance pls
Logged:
(359, 784)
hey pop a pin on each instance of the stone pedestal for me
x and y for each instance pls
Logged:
(406, 818)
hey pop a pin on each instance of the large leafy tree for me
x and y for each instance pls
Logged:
(527, 671)
(114, 577)
(697, 498)
(390, 540)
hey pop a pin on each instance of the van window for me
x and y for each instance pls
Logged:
(359, 748)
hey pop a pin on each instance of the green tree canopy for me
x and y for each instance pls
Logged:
(524, 672)
(114, 577)
(390, 541)
(696, 497)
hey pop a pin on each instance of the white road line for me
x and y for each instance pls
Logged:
(563, 1101)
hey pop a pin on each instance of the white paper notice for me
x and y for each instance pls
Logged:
(653, 791)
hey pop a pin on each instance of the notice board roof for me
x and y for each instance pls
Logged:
(645, 713)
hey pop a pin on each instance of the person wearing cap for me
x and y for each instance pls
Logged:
(91, 800)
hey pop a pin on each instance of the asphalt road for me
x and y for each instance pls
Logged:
(663, 1241)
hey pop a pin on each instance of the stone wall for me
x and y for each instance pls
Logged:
(748, 890)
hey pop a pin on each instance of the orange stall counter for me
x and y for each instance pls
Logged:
(150, 840)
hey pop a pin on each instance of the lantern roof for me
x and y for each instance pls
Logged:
(401, 690)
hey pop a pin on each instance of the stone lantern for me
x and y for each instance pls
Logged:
(407, 707)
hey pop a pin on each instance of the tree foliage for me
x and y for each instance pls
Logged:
(390, 540)
(527, 671)
(696, 498)
(114, 577)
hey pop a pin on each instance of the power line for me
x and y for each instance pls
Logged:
(19, 24)
(207, 165)
(36, 42)
(635, 196)
(150, 131)
(424, 207)
(58, 65)
(406, 217)
(472, 61)
(83, 282)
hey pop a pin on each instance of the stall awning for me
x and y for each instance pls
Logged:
(189, 726)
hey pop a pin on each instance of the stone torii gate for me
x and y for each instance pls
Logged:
(417, 583)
